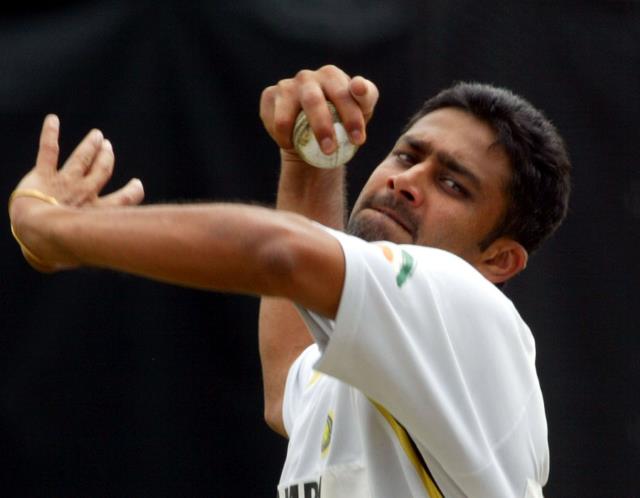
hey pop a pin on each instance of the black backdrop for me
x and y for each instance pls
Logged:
(115, 386)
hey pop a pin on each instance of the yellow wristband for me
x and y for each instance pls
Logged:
(29, 192)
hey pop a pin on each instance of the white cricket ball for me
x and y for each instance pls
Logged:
(309, 150)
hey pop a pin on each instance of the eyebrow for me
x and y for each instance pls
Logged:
(447, 160)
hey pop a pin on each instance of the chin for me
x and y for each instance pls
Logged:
(372, 230)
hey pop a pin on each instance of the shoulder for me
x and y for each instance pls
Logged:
(405, 258)
(435, 272)
(412, 273)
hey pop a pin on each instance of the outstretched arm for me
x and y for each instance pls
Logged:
(223, 247)
(318, 194)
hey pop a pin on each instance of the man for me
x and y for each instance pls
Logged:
(428, 383)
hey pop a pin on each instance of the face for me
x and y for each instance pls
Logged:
(443, 185)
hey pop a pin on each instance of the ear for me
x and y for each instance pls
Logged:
(502, 260)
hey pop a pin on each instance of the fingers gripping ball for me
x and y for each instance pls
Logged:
(309, 150)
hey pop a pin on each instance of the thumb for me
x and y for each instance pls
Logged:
(365, 93)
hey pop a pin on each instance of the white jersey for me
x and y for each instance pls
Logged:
(420, 332)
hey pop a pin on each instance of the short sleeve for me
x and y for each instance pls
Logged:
(422, 332)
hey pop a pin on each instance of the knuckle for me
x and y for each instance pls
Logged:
(352, 123)
(285, 88)
(304, 75)
(86, 160)
(341, 95)
(286, 84)
(50, 147)
(281, 125)
(323, 128)
(311, 99)
(268, 93)
(107, 166)
(330, 69)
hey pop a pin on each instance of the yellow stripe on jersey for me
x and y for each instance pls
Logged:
(315, 377)
(405, 442)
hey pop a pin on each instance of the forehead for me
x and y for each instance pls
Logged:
(468, 139)
(455, 128)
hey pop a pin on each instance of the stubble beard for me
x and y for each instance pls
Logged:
(371, 230)
(366, 229)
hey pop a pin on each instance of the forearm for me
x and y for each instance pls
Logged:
(318, 194)
(229, 248)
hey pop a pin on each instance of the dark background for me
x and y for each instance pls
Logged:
(115, 386)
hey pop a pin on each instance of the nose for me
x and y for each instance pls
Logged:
(405, 185)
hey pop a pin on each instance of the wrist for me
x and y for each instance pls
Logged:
(313, 192)
(290, 158)
(293, 165)
(29, 210)
(22, 198)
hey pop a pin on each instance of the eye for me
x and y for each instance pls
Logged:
(405, 157)
(454, 187)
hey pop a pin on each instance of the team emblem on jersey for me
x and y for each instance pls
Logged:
(326, 434)
(403, 263)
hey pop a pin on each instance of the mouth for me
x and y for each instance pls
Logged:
(393, 217)
(385, 216)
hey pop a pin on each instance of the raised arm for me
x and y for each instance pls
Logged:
(318, 194)
(62, 222)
